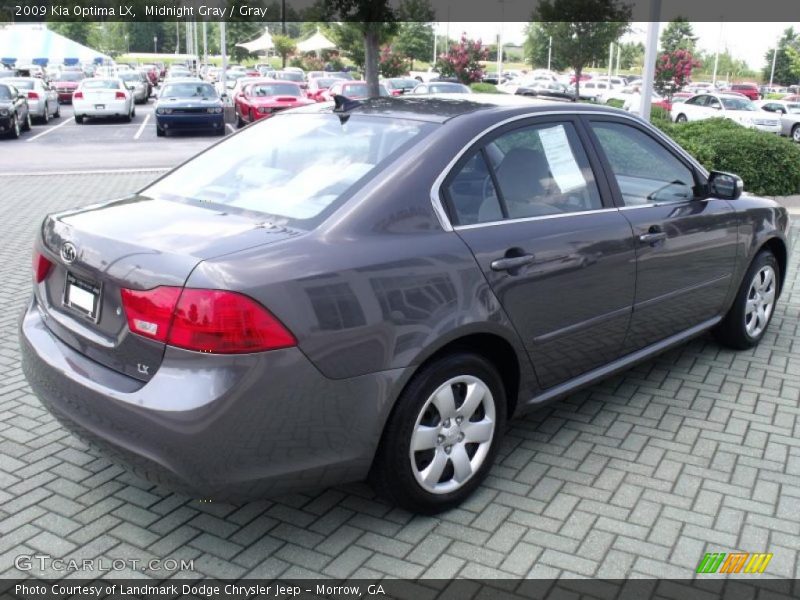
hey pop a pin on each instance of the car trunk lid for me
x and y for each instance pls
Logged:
(138, 243)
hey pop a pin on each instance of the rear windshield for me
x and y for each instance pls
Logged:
(297, 168)
(131, 76)
(189, 90)
(71, 76)
(290, 76)
(22, 84)
(100, 84)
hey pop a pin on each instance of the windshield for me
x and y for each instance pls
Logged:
(737, 103)
(22, 84)
(449, 88)
(324, 83)
(293, 167)
(289, 76)
(189, 90)
(130, 77)
(275, 89)
(100, 84)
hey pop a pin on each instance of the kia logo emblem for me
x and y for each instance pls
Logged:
(68, 252)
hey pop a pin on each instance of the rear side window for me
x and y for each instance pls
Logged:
(296, 168)
(534, 171)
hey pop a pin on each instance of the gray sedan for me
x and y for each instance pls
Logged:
(137, 83)
(42, 98)
(372, 288)
(790, 116)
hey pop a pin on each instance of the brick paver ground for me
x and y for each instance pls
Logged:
(696, 451)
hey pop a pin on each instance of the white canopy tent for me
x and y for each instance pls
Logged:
(261, 44)
(29, 43)
(316, 43)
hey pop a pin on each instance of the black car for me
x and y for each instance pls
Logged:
(14, 115)
(371, 288)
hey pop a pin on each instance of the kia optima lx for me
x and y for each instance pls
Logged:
(373, 289)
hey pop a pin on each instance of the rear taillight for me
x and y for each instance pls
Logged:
(78, 95)
(120, 96)
(41, 267)
(33, 96)
(215, 321)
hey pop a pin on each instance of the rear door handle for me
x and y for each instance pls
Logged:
(511, 263)
(653, 237)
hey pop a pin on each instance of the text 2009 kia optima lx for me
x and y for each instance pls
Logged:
(374, 289)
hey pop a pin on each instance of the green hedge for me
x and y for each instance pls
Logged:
(768, 164)
(483, 88)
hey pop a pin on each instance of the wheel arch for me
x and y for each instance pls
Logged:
(778, 249)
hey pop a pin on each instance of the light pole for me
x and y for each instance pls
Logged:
(772, 72)
(650, 52)
(127, 45)
(155, 44)
(549, 52)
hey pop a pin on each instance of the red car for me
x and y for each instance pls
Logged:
(748, 89)
(318, 85)
(356, 90)
(261, 100)
(66, 83)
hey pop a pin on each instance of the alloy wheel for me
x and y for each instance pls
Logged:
(796, 134)
(453, 434)
(760, 301)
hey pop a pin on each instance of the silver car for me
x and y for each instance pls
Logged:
(137, 83)
(42, 98)
(789, 113)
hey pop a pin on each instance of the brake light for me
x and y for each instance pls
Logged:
(78, 95)
(41, 267)
(33, 96)
(215, 321)
(120, 96)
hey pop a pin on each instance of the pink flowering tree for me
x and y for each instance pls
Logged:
(391, 64)
(673, 71)
(462, 60)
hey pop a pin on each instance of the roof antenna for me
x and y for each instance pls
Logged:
(343, 105)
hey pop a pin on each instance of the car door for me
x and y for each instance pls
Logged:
(558, 257)
(685, 242)
(694, 108)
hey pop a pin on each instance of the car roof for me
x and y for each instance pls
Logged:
(439, 109)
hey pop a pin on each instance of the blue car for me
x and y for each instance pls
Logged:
(189, 105)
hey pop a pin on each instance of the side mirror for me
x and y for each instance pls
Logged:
(725, 186)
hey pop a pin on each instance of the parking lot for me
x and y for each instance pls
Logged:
(696, 451)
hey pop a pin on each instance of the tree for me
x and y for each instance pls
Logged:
(284, 46)
(77, 31)
(785, 74)
(673, 71)
(678, 35)
(242, 31)
(376, 20)
(579, 41)
(414, 41)
(391, 63)
(537, 46)
(463, 60)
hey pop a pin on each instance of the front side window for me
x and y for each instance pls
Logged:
(295, 168)
(646, 171)
(533, 171)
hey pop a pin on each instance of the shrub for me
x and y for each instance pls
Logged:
(484, 88)
(463, 60)
(391, 64)
(766, 162)
(615, 102)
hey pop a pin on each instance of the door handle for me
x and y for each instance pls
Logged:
(511, 263)
(653, 236)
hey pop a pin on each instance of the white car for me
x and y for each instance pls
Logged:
(42, 99)
(594, 90)
(789, 114)
(103, 97)
(735, 107)
(617, 83)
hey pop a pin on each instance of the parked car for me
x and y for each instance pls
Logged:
(318, 86)
(42, 98)
(67, 83)
(189, 105)
(543, 87)
(748, 89)
(398, 86)
(138, 84)
(789, 113)
(262, 100)
(423, 76)
(14, 115)
(594, 90)
(373, 289)
(176, 72)
(103, 97)
(728, 106)
(355, 90)
(292, 75)
(441, 87)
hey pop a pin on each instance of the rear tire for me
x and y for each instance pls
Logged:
(16, 130)
(57, 114)
(796, 133)
(26, 125)
(453, 414)
(79, 119)
(239, 120)
(749, 317)
(46, 116)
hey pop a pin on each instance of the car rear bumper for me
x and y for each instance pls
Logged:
(191, 122)
(219, 427)
(111, 108)
(65, 97)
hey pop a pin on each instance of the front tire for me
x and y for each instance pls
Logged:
(752, 310)
(796, 133)
(46, 116)
(26, 126)
(681, 119)
(16, 130)
(442, 437)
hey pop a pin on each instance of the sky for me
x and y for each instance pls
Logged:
(746, 41)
